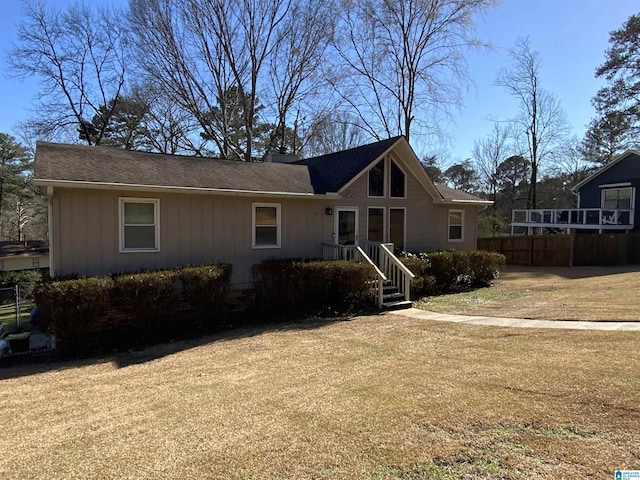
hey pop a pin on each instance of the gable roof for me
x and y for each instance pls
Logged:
(330, 173)
(103, 167)
(599, 172)
(90, 165)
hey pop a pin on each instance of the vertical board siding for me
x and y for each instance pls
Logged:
(194, 229)
(426, 222)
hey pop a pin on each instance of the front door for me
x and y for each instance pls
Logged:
(346, 226)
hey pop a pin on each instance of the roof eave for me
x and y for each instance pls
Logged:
(454, 201)
(617, 159)
(169, 189)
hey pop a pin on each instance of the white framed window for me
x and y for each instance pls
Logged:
(397, 181)
(376, 180)
(456, 225)
(139, 224)
(266, 225)
(617, 198)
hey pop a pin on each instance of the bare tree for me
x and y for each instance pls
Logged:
(296, 62)
(540, 127)
(216, 60)
(404, 60)
(80, 57)
(332, 132)
(488, 154)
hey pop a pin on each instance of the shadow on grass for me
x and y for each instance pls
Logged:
(36, 363)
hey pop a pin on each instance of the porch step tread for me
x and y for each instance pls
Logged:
(390, 296)
(397, 305)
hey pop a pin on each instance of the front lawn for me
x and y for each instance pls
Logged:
(551, 293)
(379, 397)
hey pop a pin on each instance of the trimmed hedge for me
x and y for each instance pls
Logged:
(149, 297)
(451, 271)
(206, 287)
(299, 286)
(127, 309)
(68, 308)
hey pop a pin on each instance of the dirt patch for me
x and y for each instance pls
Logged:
(552, 293)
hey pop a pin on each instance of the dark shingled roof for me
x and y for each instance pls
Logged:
(111, 165)
(329, 173)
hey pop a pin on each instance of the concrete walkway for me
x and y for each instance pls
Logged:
(516, 322)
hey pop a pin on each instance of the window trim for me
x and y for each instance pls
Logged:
(384, 179)
(278, 225)
(392, 161)
(156, 223)
(449, 225)
(618, 188)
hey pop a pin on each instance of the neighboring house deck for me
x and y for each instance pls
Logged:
(540, 221)
(113, 210)
(607, 202)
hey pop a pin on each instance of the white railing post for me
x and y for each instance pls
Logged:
(395, 270)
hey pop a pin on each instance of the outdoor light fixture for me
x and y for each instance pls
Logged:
(328, 211)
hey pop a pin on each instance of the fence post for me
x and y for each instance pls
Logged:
(17, 296)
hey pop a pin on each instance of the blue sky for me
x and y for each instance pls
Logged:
(570, 35)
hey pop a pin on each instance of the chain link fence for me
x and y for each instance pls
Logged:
(16, 304)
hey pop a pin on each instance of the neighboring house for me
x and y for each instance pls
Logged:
(606, 202)
(113, 210)
(23, 255)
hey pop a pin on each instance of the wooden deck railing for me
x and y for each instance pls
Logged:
(395, 270)
(380, 256)
(574, 218)
(333, 251)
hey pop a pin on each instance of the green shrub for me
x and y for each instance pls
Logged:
(68, 308)
(150, 297)
(450, 271)
(88, 315)
(424, 284)
(485, 267)
(298, 286)
(206, 287)
(10, 278)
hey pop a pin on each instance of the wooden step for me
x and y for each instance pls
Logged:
(397, 305)
(390, 297)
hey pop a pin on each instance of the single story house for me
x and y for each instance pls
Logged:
(113, 210)
(606, 202)
(24, 255)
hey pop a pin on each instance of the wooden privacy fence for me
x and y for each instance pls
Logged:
(566, 250)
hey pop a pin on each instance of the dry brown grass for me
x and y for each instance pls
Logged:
(552, 293)
(378, 397)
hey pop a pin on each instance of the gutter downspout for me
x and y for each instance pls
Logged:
(52, 271)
